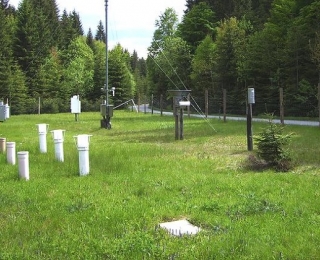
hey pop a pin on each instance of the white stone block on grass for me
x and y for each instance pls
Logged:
(180, 227)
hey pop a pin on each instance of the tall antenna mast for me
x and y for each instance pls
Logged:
(107, 68)
(106, 109)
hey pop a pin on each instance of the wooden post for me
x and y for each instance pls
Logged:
(188, 98)
(224, 105)
(145, 105)
(152, 104)
(161, 107)
(319, 101)
(138, 103)
(39, 106)
(281, 107)
(206, 101)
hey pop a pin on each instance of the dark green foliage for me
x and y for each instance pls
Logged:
(197, 24)
(89, 39)
(34, 40)
(76, 23)
(68, 33)
(5, 55)
(120, 76)
(100, 34)
(271, 144)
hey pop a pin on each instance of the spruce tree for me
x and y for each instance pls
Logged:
(76, 23)
(100, 34)
(89, 39)
(5, 55)
(34, 40)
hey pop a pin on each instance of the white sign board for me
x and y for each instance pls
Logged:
(75, 105)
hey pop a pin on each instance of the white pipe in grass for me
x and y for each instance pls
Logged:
(82, 143)
(43, 129)
(11, 153)
(58, 138)
(3, 145)
(23, 165)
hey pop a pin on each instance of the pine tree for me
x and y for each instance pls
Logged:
(89, 39)
(197, 24)
(100, 34)
(76, 23)
(5, 55)
(99, 76)
(120, 75)
(35, 40)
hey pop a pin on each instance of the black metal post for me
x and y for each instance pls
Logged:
(249, 128)
(107, 117)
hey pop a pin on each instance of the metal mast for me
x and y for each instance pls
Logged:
(107, 69)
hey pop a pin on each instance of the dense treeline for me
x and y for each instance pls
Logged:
(53, 60)
(218, 44)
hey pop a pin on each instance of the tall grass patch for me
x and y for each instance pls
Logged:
(140, 176)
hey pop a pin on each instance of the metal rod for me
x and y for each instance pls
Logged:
(107, 69)
(249, 128)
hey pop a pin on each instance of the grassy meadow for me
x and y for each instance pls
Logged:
(141, 176)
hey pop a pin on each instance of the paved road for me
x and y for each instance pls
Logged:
(145, 108)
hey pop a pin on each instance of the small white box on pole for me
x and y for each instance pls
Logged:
(75, 105)
(251, 98)
(184, 104)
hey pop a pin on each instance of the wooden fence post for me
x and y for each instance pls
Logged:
(281, 107)
(224, 105)
(161, 107)
(188, 98)
(152, 104)
(206, 101)
(319, 101)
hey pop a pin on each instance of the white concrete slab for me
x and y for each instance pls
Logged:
(180, 227)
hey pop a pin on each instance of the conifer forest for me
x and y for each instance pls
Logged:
(217, 45)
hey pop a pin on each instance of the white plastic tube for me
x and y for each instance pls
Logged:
(83, 148)
(11, 153)
(7, 111)
(58, 148)
(58, 138)
(2, 145)
(84, 166)
(23, 164)
(42, 129)
(43, 143)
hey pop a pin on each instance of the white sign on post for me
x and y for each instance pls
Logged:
(75, 105)
(251, 99)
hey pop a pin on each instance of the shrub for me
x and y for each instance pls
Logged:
(270, 143)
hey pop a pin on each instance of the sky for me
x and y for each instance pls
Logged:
(130, 22)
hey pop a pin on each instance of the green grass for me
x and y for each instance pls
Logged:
(140, 176)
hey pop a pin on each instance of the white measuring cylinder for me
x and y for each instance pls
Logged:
(82, 143)
(43, 130)
(11, 153)
(7, 111)
(58, 138)
(23, 164)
